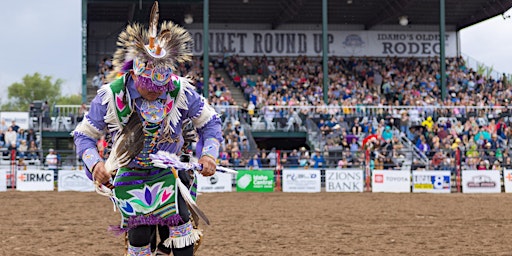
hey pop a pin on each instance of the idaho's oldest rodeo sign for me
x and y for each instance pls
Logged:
(309, 43)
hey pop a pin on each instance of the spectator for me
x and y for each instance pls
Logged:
(10, 136)
(254, 162)
(52, 162)
(14, 126)
(318, 159)
(23, 149)
(33, 151)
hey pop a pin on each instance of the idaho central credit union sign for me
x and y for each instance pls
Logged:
(309, 43)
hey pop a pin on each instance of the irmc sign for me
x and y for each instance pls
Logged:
(35, 181)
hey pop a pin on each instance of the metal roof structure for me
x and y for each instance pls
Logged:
(368, 13)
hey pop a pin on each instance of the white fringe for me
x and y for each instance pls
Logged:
(107, 97)
(181, 102)
(183, 241)
(207, 113)
(87, 128)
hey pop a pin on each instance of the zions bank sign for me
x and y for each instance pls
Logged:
(309, 43)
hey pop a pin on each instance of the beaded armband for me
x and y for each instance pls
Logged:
(91, 157)
(211, 148)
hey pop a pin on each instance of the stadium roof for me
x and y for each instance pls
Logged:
(459, 13)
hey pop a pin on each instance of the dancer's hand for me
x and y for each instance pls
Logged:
(100, 174)
(209, 166)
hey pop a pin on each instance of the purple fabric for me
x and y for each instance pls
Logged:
(127, 66)
(140, 220)
(141, 174)
(193, 193)
(212, 129)
(146, 84)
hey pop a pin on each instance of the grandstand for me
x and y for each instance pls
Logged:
(266, 78)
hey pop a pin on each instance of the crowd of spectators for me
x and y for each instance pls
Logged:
(399, 99)
(391, 97)
(18, 141)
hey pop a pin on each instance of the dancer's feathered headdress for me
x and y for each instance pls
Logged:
(151, 54)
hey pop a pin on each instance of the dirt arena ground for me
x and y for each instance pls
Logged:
(73, 223)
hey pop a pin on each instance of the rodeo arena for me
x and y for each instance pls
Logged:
(347, 127)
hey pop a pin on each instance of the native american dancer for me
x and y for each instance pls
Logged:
(143, 108)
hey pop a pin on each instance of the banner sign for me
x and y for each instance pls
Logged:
(219, 182)
(391, 181)
(70, 180)
(481, 181)
(301, 180)
(341, 43)
(347, 180)
(34, 181)
(21, 118)
(431, 181)
(507, 180)
(3, 181)
(255, 181)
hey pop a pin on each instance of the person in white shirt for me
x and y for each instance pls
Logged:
(51, 162)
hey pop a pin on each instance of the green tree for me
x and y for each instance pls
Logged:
(33, 87)
(70, 100)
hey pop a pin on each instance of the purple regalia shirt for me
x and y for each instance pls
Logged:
(203, 117)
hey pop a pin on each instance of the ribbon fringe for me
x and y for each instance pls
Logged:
(180, 242)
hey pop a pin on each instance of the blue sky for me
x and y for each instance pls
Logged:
(45, 37)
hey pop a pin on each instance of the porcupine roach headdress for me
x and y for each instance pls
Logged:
(150, 55)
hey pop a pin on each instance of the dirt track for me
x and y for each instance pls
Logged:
(73, 223)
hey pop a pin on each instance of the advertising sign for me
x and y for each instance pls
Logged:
(431, 181)
(219, 182)
(309, 43)
(255, 181)
(21, 118)
(347, 180)
(3, 181)
(391, 181)
(34, 181)
(70, 180)
(301, 180)
(481, 181)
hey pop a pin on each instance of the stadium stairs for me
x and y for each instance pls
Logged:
(236, 93)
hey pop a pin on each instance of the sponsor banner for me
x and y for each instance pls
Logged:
(3, 181)
(255, 180)
(347, 180)
(219, 182)
(34, 181)
(301, 180)
(431, 181)
(507, 180)
(21, 118)
(70, 180)
(481, 181)
(341, 43)
(391, 181)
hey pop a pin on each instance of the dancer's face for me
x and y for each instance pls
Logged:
(147, 94)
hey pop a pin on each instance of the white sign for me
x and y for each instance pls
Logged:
(34, 181)
(507, 180)
(340, 43)
(481, 181)
(431, 181)
(391, 181)
(301, 180)
(21, 118)
(74, 181)
(3, 181)
(219, 182)
(347, 180)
